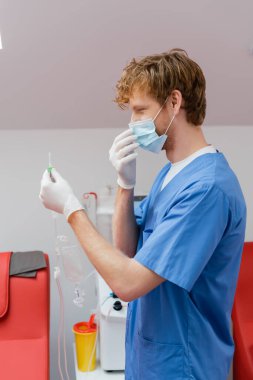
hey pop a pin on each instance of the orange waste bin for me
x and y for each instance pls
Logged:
(85, 339)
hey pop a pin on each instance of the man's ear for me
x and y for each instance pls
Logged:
(176, 100)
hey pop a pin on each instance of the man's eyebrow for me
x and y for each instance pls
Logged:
(139, 106)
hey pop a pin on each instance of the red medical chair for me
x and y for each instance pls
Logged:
(242, 317)
(24, 324)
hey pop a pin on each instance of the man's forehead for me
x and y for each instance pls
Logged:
(140, 99)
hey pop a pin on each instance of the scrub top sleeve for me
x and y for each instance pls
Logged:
(181, 245)
(140, 211)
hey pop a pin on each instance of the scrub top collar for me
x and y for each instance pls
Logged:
(179, 180)
(207, 149)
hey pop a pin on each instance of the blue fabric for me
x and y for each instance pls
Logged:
(147, 137)
(191, 234)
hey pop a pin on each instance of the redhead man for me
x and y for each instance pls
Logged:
(176, 258)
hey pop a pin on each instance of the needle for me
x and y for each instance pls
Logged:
(50, 167)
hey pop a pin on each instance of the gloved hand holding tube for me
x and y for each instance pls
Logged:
(57, 195)
(123, 157)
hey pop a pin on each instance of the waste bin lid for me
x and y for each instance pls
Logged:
(86, 327)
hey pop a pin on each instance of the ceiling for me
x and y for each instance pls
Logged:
(61, 59)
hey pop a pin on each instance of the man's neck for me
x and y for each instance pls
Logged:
(183, 142)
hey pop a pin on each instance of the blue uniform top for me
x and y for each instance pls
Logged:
(191, 234)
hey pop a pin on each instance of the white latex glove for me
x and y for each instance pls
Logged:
(58, 196)
(123, 157)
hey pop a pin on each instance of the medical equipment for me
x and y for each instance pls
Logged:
(73, 270)
(61, 328)
(111, 310)
(50, 167)
(85, 342)
(73, 266)
(112, 322)
(69, 253)
(104, 211)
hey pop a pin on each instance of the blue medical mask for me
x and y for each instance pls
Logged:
(146, 133)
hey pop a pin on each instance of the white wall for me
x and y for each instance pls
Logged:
(81, 156)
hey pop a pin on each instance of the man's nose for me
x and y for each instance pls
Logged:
(132, 119)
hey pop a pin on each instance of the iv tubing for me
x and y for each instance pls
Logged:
(64, 336)
(59, 338)
(95, 344)
(61, 330)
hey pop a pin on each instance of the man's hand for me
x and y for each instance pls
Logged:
(123, 157)
(58, 196)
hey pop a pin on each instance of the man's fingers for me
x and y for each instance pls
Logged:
(45, 178)
(124, 142)
(56, 175)
(127, 150)
(129, 158)
(124, 134)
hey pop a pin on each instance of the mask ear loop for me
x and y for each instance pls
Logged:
(157, 112)
(170, 124)
(160, 109)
